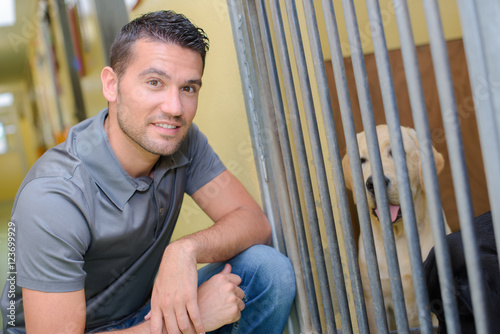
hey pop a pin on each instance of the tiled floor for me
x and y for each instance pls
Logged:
(5, 209)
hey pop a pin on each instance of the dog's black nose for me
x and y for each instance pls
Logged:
(369, 184)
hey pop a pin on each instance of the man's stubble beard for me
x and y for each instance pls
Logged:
(141, 138)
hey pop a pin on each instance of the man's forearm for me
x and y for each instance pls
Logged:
(228, 237)
(143, 328)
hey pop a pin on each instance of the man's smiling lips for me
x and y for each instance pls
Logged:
(166, 126)
(168, 129)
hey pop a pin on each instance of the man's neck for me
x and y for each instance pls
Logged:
(134, 160)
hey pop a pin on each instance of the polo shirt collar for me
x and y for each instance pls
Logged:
(93, 147)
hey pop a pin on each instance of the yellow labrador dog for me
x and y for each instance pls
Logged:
(422, 217)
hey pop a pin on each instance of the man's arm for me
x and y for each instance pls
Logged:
(239, 221)
(49, 312)
(61, 312)
(219, 298)
(239, 224)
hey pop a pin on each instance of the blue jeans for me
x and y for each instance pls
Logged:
(269, 285)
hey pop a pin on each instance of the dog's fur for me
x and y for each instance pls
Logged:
(488, 259)
(422, 217)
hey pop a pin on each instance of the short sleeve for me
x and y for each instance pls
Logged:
(205, 164)
(52, 236)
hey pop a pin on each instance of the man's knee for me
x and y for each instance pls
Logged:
(271, 269)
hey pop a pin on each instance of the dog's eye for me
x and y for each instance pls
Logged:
(363, 160)
(390, 153)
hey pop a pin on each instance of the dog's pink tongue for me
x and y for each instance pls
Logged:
(394, 209)
(394, 212)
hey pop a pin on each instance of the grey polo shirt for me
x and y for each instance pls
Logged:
(82, 222)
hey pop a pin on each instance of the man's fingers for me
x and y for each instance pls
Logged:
(171, 320)
(241, 305)
(239, 293)
(235, 279)
(195, 316)
(156, 322)
(227, 269)
(183, 323)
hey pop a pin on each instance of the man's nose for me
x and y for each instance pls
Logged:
(172, 103)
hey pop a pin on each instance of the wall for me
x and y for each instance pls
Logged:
(449, 17)
(23, 145)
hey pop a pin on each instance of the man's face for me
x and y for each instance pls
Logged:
(158, 95)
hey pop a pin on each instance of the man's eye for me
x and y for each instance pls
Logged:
(189, 89)
(154, 83)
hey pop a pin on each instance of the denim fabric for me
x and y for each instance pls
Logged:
(269, 285)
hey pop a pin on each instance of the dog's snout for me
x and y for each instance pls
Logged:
(370, 187)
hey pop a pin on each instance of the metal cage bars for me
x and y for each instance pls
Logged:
(265, 105)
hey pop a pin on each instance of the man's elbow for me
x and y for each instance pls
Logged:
(266, 230)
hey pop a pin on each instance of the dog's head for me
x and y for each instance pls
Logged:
(413, 161)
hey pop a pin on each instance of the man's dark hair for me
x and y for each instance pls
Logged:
(166, 26)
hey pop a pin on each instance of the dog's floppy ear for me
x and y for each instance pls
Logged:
(438, 160)
(347, 171)
(438, 157)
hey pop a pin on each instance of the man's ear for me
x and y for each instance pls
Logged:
(109, 81)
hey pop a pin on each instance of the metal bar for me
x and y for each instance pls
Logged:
(312, 311)
(376, 165)
(458, 165)
(417, 102)
(336, 165)
(399, 156)
(253, 104)
(315, 144)
(356, 172)
(483, 103)
(488, 13)
(296, 129)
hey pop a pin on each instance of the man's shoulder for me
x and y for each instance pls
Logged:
(61, 163)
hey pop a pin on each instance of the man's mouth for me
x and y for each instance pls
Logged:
(395, 211)
(166, 126)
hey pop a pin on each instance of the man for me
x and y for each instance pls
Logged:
(95, 214)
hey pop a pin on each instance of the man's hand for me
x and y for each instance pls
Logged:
(221, 300)
(174, 301)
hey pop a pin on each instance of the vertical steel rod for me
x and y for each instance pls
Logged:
(269, 187)
(315, 142)
(355, 165)
(420, 120)
(289, 168)
(457, 163)
(376, 165)
(304, 169)
(483, 103)
(398, 152)
(336, 165)
(296, 125)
